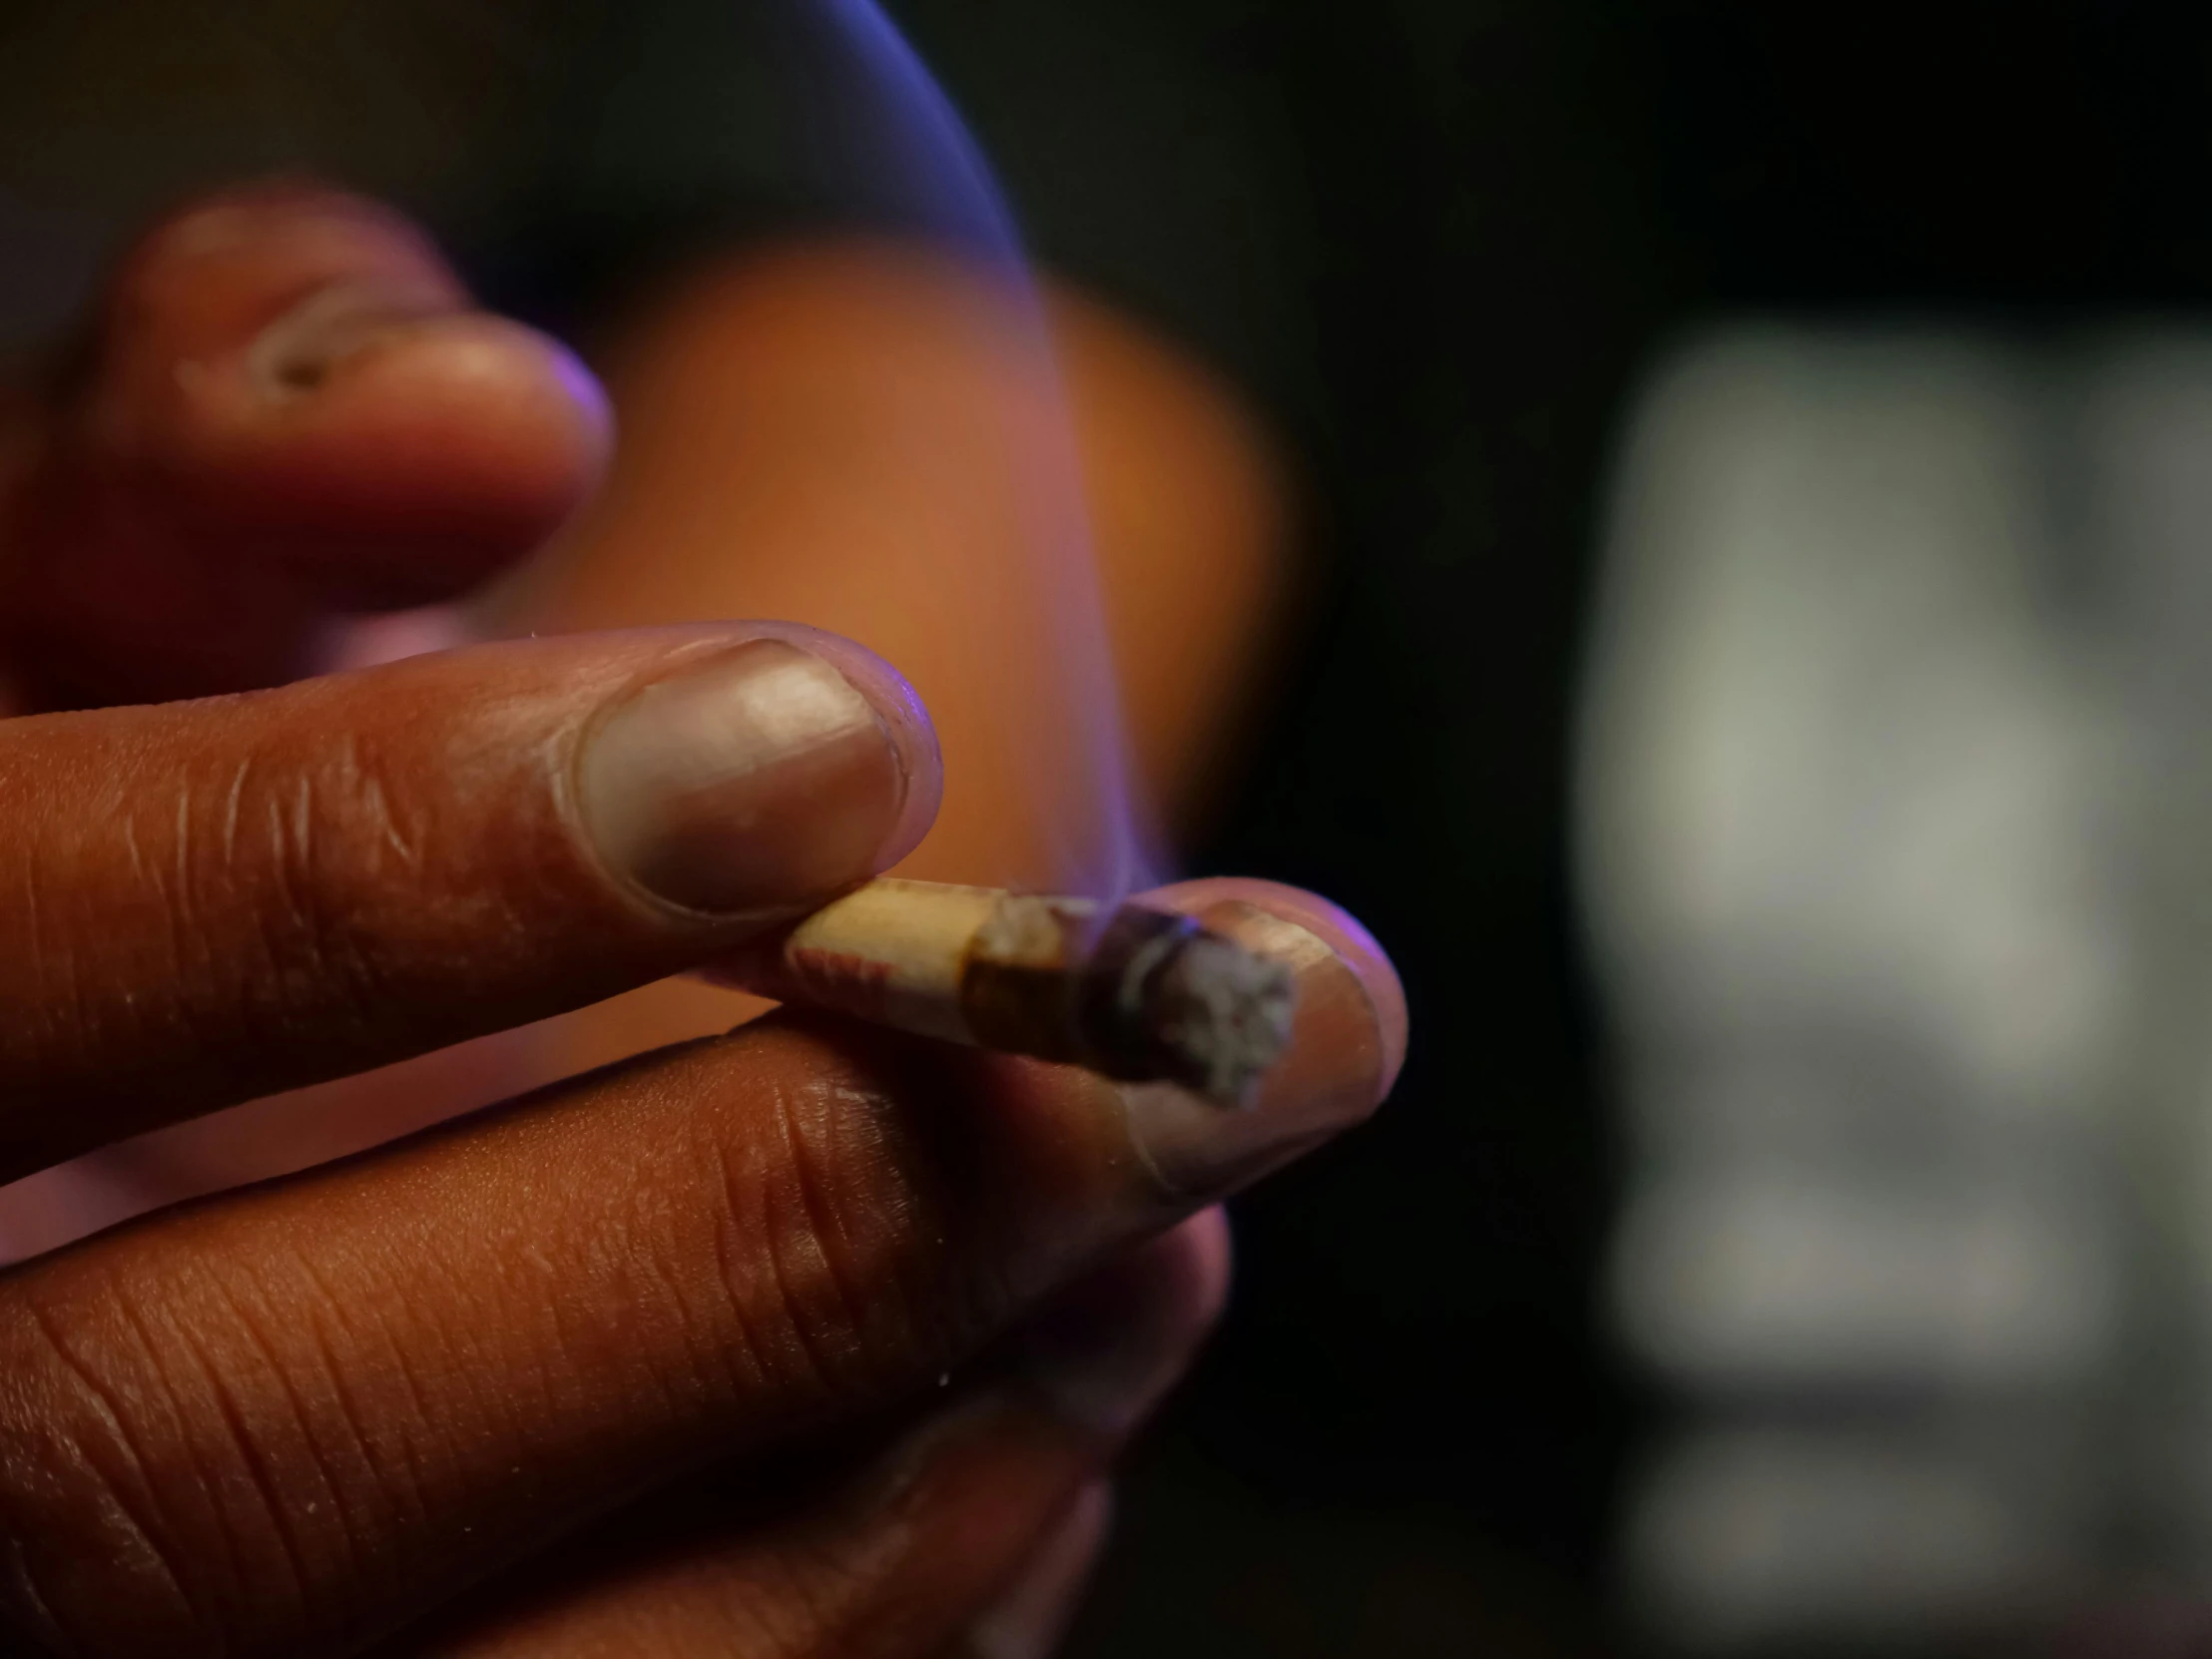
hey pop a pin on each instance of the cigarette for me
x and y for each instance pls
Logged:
(1137, 995)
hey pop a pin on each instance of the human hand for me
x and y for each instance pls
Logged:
(650, 1360)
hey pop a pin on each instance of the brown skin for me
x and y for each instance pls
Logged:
(850, 433)
(216, 470)
(649, 1359)
(863, 435)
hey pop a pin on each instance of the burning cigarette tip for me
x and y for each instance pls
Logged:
(1134, 993)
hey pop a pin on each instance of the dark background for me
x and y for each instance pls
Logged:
(1437, 243)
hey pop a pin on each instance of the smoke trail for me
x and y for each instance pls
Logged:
(896, 135)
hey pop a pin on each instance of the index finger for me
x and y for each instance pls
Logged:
(220, 899)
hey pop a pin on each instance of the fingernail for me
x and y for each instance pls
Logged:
(1032, 1612)
(298, 351)
(1347, 1042)
(1106, 1351)
(755, 781)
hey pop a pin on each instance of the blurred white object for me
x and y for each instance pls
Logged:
(1869, 1537)
(1897, 847)
(1799, 1277)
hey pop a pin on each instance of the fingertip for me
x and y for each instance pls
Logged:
(311, 386)
(1108, 1347)
(410, 462)
(760, 770)
(1210, 1248)
(1344, 936)
(1186, 1273)
(905, 720)
(1034, 1610)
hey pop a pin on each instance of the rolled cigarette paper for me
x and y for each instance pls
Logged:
(1134, 993)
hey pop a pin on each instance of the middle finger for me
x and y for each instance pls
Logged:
(374, 1384)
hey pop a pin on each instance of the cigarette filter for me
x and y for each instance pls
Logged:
(1130, 992)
